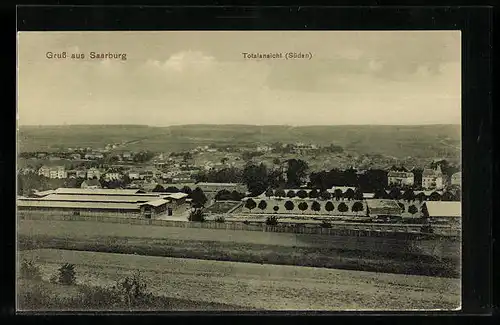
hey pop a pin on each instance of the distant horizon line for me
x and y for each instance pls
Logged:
(231, 124)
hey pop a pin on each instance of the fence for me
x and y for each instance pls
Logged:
(337, 229)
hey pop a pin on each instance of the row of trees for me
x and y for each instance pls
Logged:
(250, 204)
(350, 194)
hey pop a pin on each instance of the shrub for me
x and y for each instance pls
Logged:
(262, 205)
(196, 215)
(132, 290)
(276, 208)
(246, 222)
(271, 221)
(412, 209)
(326, 224)
(402, 206)
(30, 271)
(269, 193)
(67, 274)
(290, 194)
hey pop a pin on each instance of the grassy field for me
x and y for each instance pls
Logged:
(397, 141)
(269, 287)
(358, 253)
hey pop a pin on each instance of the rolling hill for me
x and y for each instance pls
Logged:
(396, 141)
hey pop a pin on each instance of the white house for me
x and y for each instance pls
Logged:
(400, 178)
(432, 179)
(93, 172)
(456, 179)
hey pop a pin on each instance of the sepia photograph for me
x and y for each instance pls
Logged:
(238, 171)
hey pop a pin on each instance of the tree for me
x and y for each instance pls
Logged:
(381, 194)
(303, 206)
(171, 189)
(223, 195)
(256, 178)
(314, 194)
(315, 206)
(186, 190)
(329, 206)
(196, 216)
(250, 204)
(276, 208)
(280, 193)
(237, 196)
(447, 196)
(262, 205)
(289, 205)
(409, 195)
(325, 195)
(338, 194)
(198, 198)
(290, 194)
(269, 192)
(358, 195)
(158, 188)
(395, 194)
(357, 207)
(343, 207)
(296, 172)
(434, 196)
(349, 194)
(412, 209)
(302, 194)
(421, 197)
(67, 274)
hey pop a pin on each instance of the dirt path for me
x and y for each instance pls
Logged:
(272, 287)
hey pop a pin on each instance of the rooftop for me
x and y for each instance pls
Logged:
(40, 203)
(83, 191)
(444, 209)
(155, 203)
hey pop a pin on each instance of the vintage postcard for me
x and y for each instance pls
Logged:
(239, 171)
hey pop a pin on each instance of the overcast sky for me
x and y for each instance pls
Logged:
(174, 78)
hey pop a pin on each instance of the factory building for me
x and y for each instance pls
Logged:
(102, 202)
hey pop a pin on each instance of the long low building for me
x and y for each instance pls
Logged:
(443, 212)
(93, 202)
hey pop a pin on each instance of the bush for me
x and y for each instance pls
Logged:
(132, 290)
(196, 215)
(30, 271)
(326, 224)
(271, 221)
(246, 222)
(67, 274)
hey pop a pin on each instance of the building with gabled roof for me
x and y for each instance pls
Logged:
(433, 179)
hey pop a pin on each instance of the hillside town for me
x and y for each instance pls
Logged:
(230, 180)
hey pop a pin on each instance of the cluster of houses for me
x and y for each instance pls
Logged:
(432, 179)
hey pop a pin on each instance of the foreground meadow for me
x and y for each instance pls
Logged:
(257, 286)
(356, 253)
